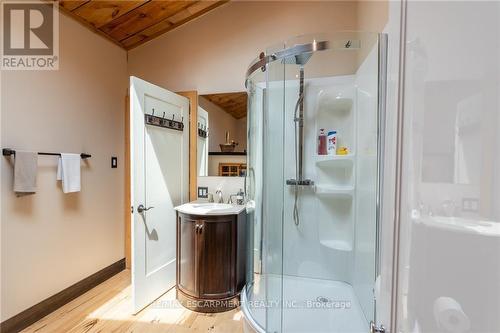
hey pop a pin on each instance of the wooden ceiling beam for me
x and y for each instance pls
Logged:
(88, 26)
(99, 13)
(234, 104)
(129, 23)
(170, 23)
(72, 4)
(142, 18)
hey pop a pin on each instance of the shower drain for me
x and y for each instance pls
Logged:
(323, 299)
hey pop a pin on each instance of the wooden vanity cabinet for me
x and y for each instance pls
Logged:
(210, 261)
(187, 257)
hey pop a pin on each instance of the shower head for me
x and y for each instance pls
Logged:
(298, 54)
(298, 59)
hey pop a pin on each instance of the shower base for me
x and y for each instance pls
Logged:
(309, 305)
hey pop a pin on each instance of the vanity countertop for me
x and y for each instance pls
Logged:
(201, 207)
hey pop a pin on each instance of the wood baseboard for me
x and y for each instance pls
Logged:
(40, 310)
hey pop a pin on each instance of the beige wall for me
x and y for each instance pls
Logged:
(51, 240)
(241, 133)
(372, 15)
(212, 53)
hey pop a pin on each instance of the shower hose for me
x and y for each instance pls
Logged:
(297, 120)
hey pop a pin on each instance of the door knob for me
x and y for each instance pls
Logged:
(141, 209)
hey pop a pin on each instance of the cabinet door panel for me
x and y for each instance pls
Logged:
(217, 258)
(187, 256)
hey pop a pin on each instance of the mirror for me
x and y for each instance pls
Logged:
(452, 146)
(222, 134)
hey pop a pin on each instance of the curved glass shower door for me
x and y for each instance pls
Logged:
(313, 211)
(265, 198)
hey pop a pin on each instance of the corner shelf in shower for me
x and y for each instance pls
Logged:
(335, 103)
(334, 190)
(327, 160)
(335, 110)
(340, 245)
(335, 174)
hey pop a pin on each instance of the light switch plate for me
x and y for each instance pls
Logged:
(202, 192)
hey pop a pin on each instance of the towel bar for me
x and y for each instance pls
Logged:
(9, 152)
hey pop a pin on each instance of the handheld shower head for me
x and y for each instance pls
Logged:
(298, 59)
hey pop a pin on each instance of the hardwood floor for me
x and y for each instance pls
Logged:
(107, 308)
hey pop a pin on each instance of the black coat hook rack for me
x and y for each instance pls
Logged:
(165, 123)
(202, 133)
(10, 152)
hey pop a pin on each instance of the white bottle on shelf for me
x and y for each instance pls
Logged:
(332, 142)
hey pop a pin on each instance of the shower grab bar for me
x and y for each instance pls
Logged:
(10, 152)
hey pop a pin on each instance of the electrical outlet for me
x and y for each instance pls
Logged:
(202, 192)
(470, 205)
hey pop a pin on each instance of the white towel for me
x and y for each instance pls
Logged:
(68, 170)
(25, 165)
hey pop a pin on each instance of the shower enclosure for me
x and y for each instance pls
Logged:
(313, 219)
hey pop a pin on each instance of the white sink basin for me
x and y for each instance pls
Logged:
(471, 226)
(209, 208)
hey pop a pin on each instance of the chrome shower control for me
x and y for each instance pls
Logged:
(376, 329)
(303, 182)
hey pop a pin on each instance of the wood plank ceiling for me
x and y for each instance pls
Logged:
(233, 103)
(132, 23)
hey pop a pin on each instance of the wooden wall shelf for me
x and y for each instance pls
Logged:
(234, 153)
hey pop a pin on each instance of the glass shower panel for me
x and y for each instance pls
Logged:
(273, 194)
(330, 225)
(449, 273)
(265, 194)
(253, 291)
(313, 217)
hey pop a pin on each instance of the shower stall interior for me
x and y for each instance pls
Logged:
(313, 219)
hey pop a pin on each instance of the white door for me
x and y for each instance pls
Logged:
(159, 171)
(202, 143)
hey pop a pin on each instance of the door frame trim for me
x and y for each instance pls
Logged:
(192, 95)
(128, 187)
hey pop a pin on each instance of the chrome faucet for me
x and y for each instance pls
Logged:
(240, 198)
(230, 199)
(219, 194)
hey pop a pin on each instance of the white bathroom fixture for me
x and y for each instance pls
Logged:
(210, 208)
(314, 217)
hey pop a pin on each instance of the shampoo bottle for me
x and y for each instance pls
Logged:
(332, 143)
(322, 145)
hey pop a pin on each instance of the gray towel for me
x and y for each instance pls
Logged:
(25, 165)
